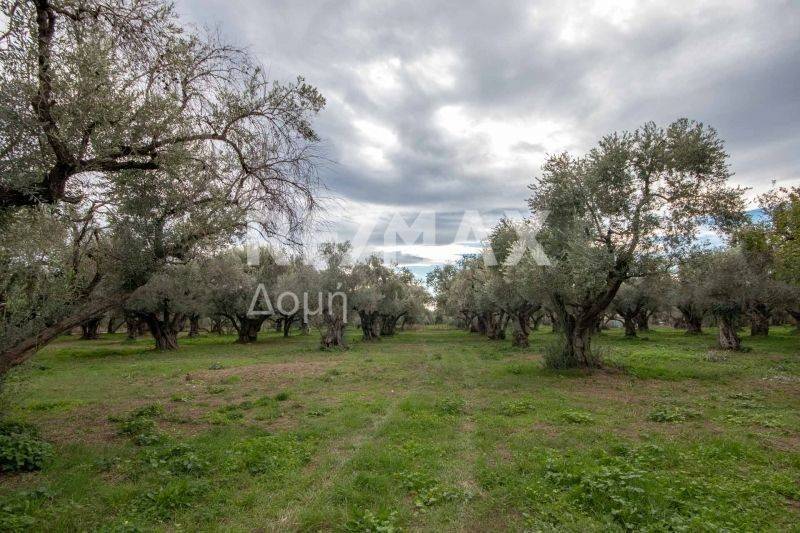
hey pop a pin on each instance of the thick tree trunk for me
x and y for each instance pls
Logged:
(164, 330)
(728, 338)
(333, 334)
(692, 319)
(21, 351)
(578, 328)
(521, 330)
(389, 325)
(370, 326)
(578, 342)
(90, 329)
(132, 326)
(759, 320)
(248, 328)
(630, 326)
(495, 326)
(482, 325)
(642, 320)
(694, 325)
(287, 325)
(194, 325)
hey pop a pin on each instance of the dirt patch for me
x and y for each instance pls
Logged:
(87, 425)
(787, 443)
(268, 371)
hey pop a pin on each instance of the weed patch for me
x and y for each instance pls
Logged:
(673, 414)
(515, 407)
(140, 425)
(21, 449)
(271, 455)
(170, 498)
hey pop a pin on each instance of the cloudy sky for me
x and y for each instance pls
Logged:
(449, 107)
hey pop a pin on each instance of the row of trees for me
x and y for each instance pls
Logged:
(228, 291)
(619, 240)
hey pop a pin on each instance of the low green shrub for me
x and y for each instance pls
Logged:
(273, 455)
(177, 459)
(21, 449)
(427, 491)
(163, 502)
(16, 511)
(140, 425)
(369, 522)
(450, 406)
(516, 407)
(577, 417)
(673, 414)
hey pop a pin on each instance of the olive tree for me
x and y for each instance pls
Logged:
(512, 287)
(688, 291)
(294, 294)
(637, 299)
(180, 136)
(231, 286)
(634, 197)
(461, 296)
(334, 286)
(628, 303)
(109, 86)
(166, 301)
(50, 261)
(771, 246)
(727, 289)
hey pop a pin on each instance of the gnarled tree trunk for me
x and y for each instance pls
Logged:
(164, 327)
(521, 329)
(247, 327)
(495, 326)
(90, 329)
(728, 338)
(370, 325)
(555, 323)
(578, 342)
(389, 324)
(132, 326)
(642, 320)
(333, 332)
(630, 325)
(759, 320)
(194, 325)
(692, 319)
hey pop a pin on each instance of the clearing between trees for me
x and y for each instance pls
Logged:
(434, 429)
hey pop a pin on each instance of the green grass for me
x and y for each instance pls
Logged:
(435, 430)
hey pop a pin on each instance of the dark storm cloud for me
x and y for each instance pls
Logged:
(452, 106)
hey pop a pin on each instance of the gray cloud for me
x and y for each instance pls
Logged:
(447, 106)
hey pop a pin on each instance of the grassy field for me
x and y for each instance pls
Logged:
(434, 430)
